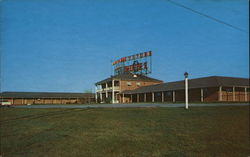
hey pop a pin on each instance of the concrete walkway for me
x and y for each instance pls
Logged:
(128, 105)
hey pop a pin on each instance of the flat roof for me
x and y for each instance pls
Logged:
(212, 81)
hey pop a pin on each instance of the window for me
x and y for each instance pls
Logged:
(138, 83)
(169, 93)
(158, 94)
(117, 83)
(129, 83)
(205, 92)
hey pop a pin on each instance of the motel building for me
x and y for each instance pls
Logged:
(136, 88)
(25, 98)
(110, 90)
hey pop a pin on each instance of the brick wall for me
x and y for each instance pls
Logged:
(125, 86)
(148, 97)
(227, 94)
(194, 95)
(210, 94)
(179, 95)
(25, 101)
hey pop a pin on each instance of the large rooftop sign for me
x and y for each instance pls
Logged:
(140, 63)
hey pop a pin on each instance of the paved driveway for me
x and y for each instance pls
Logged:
(127, 105)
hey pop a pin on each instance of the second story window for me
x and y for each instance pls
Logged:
(117, 83)
(138, 84)
(129, 83)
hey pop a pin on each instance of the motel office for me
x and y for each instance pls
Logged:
(130, 88)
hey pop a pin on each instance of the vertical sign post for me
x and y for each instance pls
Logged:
(186, 89)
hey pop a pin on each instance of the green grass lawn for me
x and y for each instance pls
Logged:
(125, 132)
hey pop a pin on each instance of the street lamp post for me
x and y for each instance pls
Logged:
(186, 89)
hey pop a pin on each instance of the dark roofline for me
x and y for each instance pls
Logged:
(129, 77)
(41, 92)
(45, 95)
(214, 76)
(203, 82)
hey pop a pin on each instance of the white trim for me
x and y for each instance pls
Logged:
(153, 97)
(173, 96)
(202, 95)
(186, 93)
(220, 93)
(233, 93)
(245, 93)
(162, 96)
(113, 92)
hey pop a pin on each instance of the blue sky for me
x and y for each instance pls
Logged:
(67, 46)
